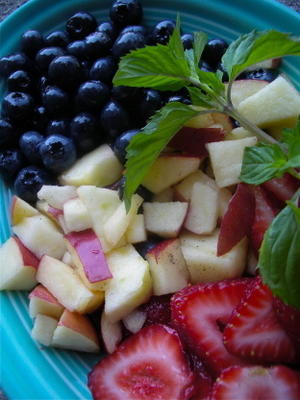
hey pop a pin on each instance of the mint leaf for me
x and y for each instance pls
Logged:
(279, 258)
(262, 162)
(199, 98)
(160, 67)
(292, 138)
(258, 46)
(212, 81)
(200, 40)
(145, 147)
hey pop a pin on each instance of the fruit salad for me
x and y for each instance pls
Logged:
(156, 211)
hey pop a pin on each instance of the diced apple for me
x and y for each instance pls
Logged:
(75, 332)
(64, 284)
(165, 219)
(168, 170)
(52, 213)
(111, 333)
(238, 133)
(135, 321)
(56, 196)
(88, 257)
(168, 268)
(136, 232)
(271, 63)
(40, 236)
(20, 210)
(18, 266)
(116, 226)
(100, 167)
(131, 284)
(203, 210)
(276, 104)
(200, 253)
(165, 196)
(76, 216)
(183, 191)
(201, 121)
(41, 301)
(67, 259)
(226, 159)
(244, 88)
(43, 329)
(223, 120)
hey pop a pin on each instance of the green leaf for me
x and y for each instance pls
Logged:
(258, 46)
(292, 138)
(160, 67)
(199, 98)
(200, 40)
(262, 162)
(145, 147)
(213, 82)
(279, 258)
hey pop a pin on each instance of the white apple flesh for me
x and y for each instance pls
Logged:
(111, 333)
(56, 196)
(43, 329)
(20, 209)
(76, 216)
(41, 301)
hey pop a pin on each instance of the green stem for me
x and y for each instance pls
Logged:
(294, 173)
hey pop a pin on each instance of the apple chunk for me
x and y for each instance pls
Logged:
(20, 210)
(56, 196)
(76, 216)
(200, 253)
(41, 301)
(243, 88)
(100, 167)
(183, 191)
(135, 321)
(43, 329)
(18, 266)
(40, 236)
(64, 284)
(75, 332)
(168, 268)
(88, 257)
(168, 170)
(131, 284)
(136, 232)
(165, 219)
(111, 333)
(226, 159)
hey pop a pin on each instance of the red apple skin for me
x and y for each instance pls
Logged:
(42, 293)
(160, 247)
(29, 259)
(78, 323)
(283, 188)
(193, 140)
(238, 219)
(56, 212)
(90, 253)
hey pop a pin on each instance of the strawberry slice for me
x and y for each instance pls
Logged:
(253, 331)
(200, 312)
(257, 383)
(203, 383)
(237, 219)
(148, 366)
(157, 310)
(283, 188)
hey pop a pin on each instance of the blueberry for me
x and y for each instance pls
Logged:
(144, 247)
(204, 66)
(213, 51)
(57, 39)
(29, 181)
(18, 106)
(114, 119)
(80, 25)
(84, 131)
(187, 41)
(135, 29)
(42, 83)
(103, 69)
(31, 42)
(29, 144)
(56, 101)
(109, 28)
(126, 12)
(14, 62)
(162, 32)
(58, 127)
(127, 42)
(150, 102)
(122, 142)
(92, 95)
(125, 94)
(181, 99)
(261, 74)
(7, 133)
(19, 81)
(46, 55)
(11, 161)
(58, 153)
(77, 49)
(97, 44)
(65, 71)
(40, 119)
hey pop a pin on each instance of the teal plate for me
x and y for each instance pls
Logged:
(29, 371)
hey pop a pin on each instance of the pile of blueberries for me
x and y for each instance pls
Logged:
(60, 101)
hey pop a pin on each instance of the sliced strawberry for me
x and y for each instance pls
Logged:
(157, 310)
(283, 188)
(253, 331)
(200, 312)
(237, 220)
(289, 319)
(264, 214)
(203, 383)
(257, 383)
(150, 365)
